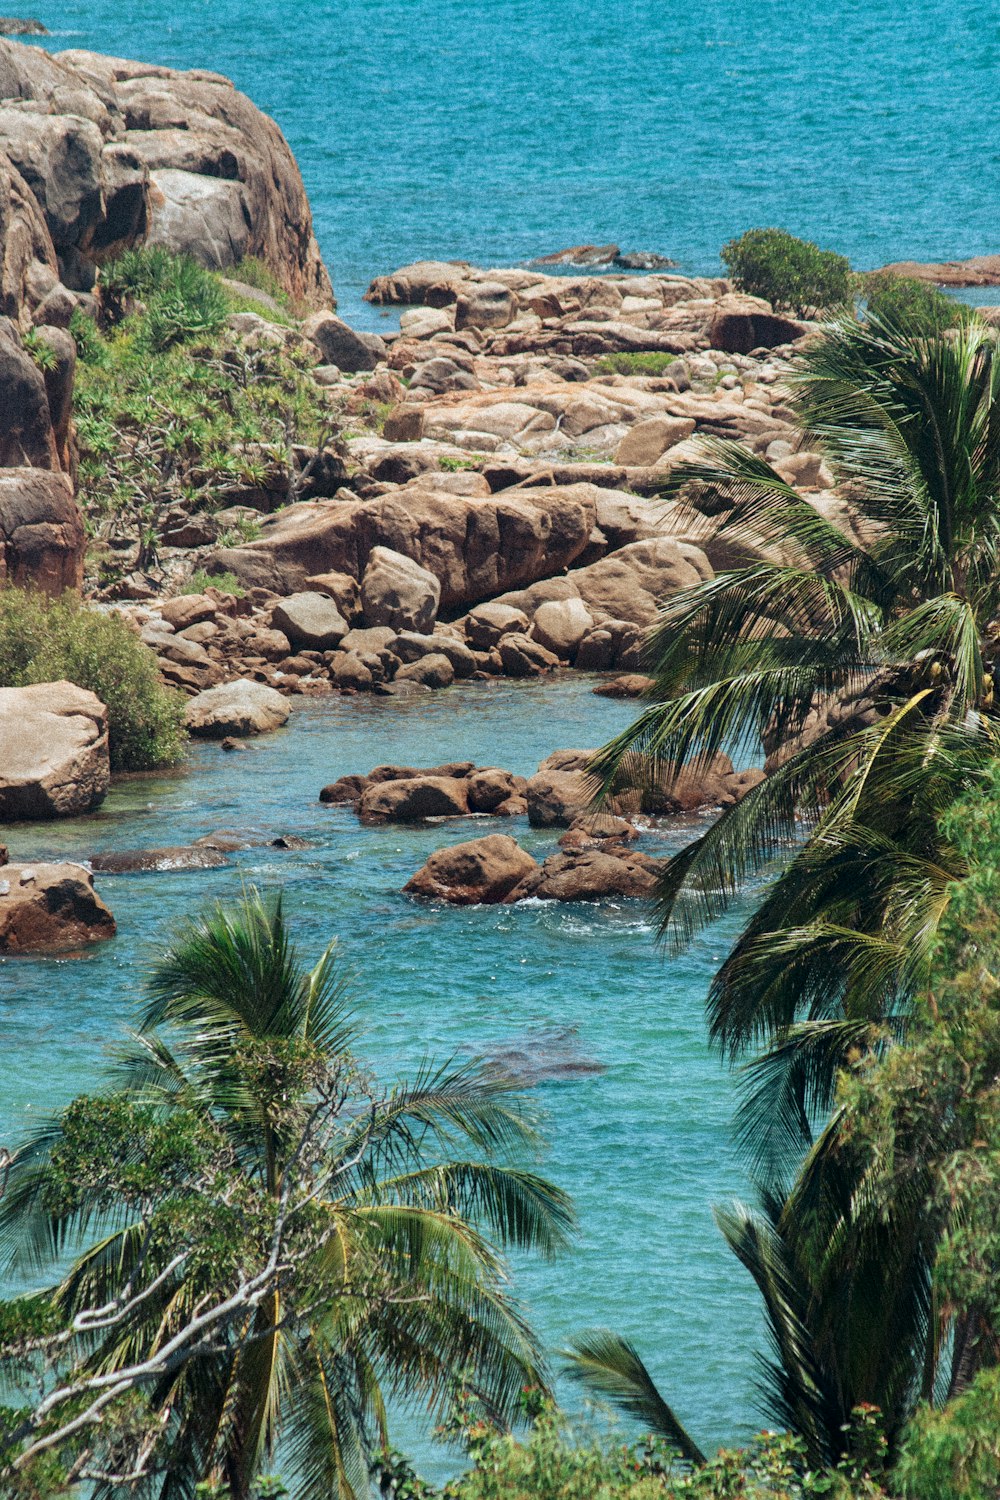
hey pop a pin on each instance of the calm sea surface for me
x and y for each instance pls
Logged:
(500, 131)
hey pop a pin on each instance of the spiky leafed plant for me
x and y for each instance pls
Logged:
(859, 646)
(411, 1297)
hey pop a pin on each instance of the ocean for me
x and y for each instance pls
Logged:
(498, 132)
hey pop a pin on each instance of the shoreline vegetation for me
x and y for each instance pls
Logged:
(768, 507)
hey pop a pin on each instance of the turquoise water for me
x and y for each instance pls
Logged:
(641, 1145)
(501, 131)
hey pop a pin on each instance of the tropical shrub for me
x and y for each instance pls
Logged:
(909, 303)
(650, 362)
(45, 640)
(182, 300)
(790, 273)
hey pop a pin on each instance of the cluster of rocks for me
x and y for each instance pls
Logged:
(594, 859)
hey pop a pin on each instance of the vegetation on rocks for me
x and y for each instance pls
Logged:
(908, 303)
(651, 362)
(174, 409)
(790, 273)
(46, 640)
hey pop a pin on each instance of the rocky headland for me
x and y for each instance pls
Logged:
(475, 496)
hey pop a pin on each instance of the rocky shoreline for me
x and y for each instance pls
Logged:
(482, 501)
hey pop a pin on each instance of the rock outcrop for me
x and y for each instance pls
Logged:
(50, 908)
(119, 153)
(480, 872)
(53, 751)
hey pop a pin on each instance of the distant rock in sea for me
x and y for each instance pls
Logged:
(21, 26)
(606, 255)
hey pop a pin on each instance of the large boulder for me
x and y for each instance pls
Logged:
(119, 153)
(235, 708)
(589, 875)
(740, 323)
(50, 908)
(476, 547)
(28, 266)
(340, 345)
(413, 799)
(633, 583)
(42, 540)
(26, 432)
(557, 798)
(53, 751)
(482, 871)
(560, 625)
(310, 620)
(398, 592)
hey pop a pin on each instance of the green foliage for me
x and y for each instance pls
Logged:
(453, 465)
(788, 272)
(226, 583)
(170, 405)
(44, 640)
(955, 1452)
(652, 362)
(40, 350)
(91, 348)
(264, 1238)
(256, 273)
(910, 304)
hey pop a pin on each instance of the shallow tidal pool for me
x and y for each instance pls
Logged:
(636, 1109)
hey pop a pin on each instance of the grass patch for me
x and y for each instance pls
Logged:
(226, 583)
(45, 640)
(652, 363)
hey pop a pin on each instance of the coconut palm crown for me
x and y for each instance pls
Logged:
(857, 643)
(424, 1187)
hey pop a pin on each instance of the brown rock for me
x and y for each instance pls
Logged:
(648, 441)
(50, 908)
(53, 751)
(189, 609)
(341, 588)
(41, 529)
(488, 622)
(414, 799)
(589, 875)
(488, 787)
(560, 625)
(740, 323)
(433, 670)
(523, 657)
(344, 789)
(556, 798)
(310, 620)
(398, 592)
(630, 685)
(482, 871)
(236, 708)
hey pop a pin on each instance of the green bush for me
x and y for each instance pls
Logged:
(955, 1451)
(791, 274)
(653, 362)
(226, 583)
(904, 302)
(43, 640)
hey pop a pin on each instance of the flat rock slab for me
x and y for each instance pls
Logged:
(53, 751)
(50, 908)
(240, 708)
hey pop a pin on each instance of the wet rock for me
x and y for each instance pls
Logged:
(346, 789)
(50, 908)
(53, 751)
(236, 708)
(629, 685)
(482, 871)
(134, 861)
(352, 672)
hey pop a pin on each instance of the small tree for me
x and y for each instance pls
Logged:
(790, 273)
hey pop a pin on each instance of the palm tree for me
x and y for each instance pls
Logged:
(861, 650)
(420, 1303)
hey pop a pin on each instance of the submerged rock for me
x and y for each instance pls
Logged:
(134, 861)
(50, 908)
